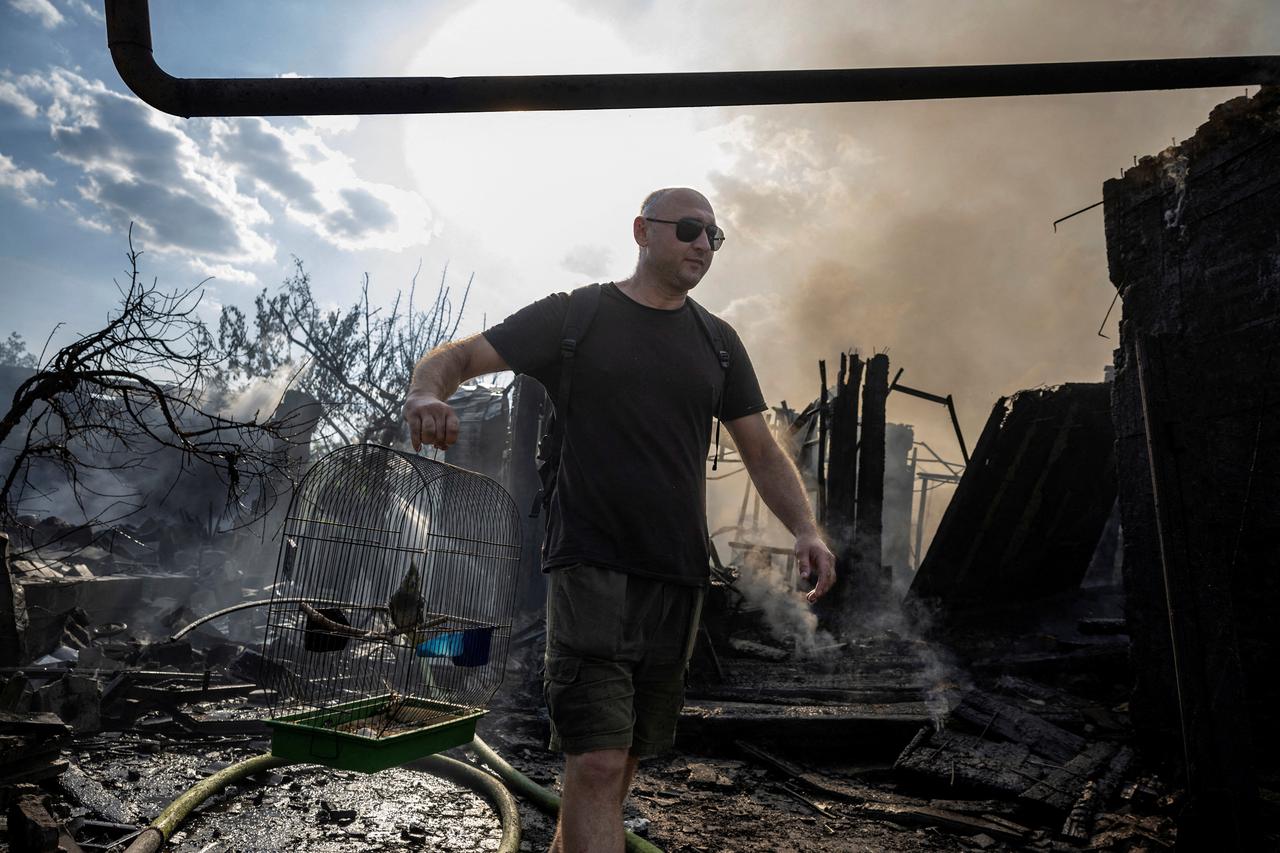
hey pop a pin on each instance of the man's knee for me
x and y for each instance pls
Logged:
(599, 767)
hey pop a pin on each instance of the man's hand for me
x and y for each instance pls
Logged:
(813, 557)
(435, 377)
(431, 421)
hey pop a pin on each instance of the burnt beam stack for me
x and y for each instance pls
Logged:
(1193, 245)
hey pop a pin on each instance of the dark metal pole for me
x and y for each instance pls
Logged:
(955, 422)
(129, 38)
(822, 445)
(915, 459)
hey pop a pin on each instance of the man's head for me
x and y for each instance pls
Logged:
(665, 217)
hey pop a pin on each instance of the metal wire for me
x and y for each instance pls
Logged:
(369, 522)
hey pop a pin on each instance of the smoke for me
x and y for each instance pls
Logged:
(260, 397)
(787, 614)
(924, 228)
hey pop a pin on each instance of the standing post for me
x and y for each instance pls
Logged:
(822, 445)
(915, 460)
(867, 537)
(12, 612)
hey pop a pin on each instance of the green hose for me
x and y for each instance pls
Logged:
(482, 783)
(168, 821)
(160, 830)
(540, 796)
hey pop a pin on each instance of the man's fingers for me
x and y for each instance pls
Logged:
(414, 423)
(817, 563)
(450, 429)
(432, 424)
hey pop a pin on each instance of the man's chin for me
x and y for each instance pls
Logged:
(689, 280)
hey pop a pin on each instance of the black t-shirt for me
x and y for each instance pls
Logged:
(631, 493)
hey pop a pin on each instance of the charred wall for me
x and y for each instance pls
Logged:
(1193, 243)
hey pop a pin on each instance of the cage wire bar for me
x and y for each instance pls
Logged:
(368, 523)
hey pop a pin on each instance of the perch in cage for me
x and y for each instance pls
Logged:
(391, 610)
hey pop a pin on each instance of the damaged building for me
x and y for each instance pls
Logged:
(1081, 657)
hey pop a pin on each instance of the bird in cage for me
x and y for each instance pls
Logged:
(362, 693)
(405, 604)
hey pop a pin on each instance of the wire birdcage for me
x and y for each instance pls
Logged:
(391, 612)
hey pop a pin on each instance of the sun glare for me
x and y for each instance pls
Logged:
(553, 191)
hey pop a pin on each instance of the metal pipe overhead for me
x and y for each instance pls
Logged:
(129, 38)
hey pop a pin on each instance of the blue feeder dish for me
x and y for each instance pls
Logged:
(475, 647)
(446, 645)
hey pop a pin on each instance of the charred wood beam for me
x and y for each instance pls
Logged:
(867, 536)
(824, 418)
(842, 467)
(842, 481)
(129, 39)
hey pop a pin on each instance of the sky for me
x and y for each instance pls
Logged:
(921, 229)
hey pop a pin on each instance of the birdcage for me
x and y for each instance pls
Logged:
(390, 617)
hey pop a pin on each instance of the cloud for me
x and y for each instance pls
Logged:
(333, 124)
(262, 154)
(138, 165)
(84, 8)
(223, 272)
(210, 191)
(22, 181)
(44, 10)
(10, 95)
(319, 187)
(590, 261)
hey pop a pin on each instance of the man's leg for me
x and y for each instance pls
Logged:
(595, 786)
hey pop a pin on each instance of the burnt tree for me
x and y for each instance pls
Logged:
(356, 362)
(114, 400)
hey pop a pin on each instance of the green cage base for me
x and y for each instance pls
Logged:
(312, 737)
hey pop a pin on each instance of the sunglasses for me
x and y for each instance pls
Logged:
(687, 230)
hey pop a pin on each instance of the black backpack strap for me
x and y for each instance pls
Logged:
(583, 303)
(714, 332)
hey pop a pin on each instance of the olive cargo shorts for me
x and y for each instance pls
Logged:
(617, 649)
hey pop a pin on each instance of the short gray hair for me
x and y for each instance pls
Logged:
(655, 198)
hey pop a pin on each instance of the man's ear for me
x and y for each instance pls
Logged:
(640, 231)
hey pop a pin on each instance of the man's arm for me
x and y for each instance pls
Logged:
(435, 377)
(778, 482)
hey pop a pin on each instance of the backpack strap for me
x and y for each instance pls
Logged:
(583, 303)
(714, 332)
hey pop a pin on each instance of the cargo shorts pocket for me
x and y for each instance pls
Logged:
(589, 703)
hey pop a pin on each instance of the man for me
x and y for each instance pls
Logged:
(626, 545)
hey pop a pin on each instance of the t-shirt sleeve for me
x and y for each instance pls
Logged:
(529, 340)
(742, 395)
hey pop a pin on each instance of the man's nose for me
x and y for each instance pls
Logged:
(702, 241)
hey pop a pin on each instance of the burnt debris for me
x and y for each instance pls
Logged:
(1191, 243)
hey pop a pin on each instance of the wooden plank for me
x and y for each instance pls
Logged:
(1062, 786)
(957, 759)
(992, 717)
(955, 821)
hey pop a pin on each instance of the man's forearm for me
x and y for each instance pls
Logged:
(779, 484)
(440, 372)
